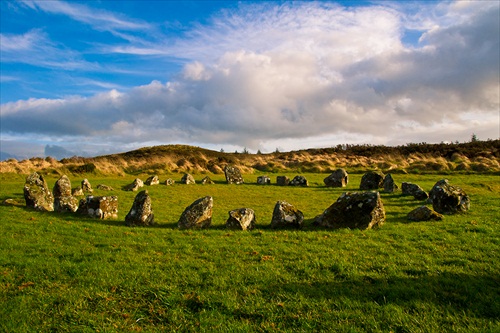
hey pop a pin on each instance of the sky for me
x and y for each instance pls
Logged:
(90, 78)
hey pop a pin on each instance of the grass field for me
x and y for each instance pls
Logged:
(65, 273)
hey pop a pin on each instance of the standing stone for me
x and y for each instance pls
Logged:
(99, 207)
(389, 184)
(286, 215)
(197, 215)
(263, 180)
(134, 186)
(448, 199)
(354, 210)
(37, 193)
(372, 180)
(86, 187)
(207, 181)
(169, 182)
(415, 190)
(152, 180)
(282, 180)
(241, 219)
(424, 213)
(233, 175)
(338, 178)
(299, 181)
(187, 179)
(63, 200)
(141, 213)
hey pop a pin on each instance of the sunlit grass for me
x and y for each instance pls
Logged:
(62, 272)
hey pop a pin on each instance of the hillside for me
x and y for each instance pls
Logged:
(477, 156)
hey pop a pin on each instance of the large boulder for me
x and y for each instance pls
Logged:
(134, 186)
(448, 199)
(197, 215)
(299, 181)
(152, 180)
(415, 190)
(286, 215)
(37, 193)
(263, 180)
(424, 213)
(233, 175)
(64, 201)
(338, 178)
(187, 179)
(354, 210)
(86, 187)
(141, 213)
(389, 184)
(99, 207)
(241, 219)
(372, 180)
(282, 180)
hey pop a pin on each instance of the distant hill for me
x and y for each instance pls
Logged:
(477, 156)
(5, 156)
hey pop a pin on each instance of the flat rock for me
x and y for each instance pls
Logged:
(424, 213)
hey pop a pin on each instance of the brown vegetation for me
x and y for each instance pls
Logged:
(477, 156)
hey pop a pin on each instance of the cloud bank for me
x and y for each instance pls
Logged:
(294, 76)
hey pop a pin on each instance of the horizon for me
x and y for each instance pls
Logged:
(261, 76)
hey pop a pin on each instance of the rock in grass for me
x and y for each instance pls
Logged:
(169, 182)
(152, 180)
(354, 210)
(134, 186)
(207, 181)
(372, 180)
(86, 187)
(263, 180)
(424, 213)
(415, 190)
(389, 184)
(338, 178)
(64, 201)
(285, 215)
(241, 219)
(299, 181)
(448, 199)
(99, 207)
(282, 180)
(197, 215)
(37, 193)
(103, 187)
(141, 213)
(233, 175)
(187, 179)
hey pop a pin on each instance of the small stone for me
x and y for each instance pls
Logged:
(286, 215)
(241, 219)
(152, 180)
(299, 181)
(263, 180)
(187, 179)
(282, 180)
(86, 187)
(134, 186)
(424, 213)
(207, 181)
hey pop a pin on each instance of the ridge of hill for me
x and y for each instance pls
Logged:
(476, 156)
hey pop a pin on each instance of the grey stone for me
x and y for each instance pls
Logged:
(415, 190)
(62, 187)
(389, 184)
(37, 193)
(286, 215)
(99, 207)
(207, 181)
(263, 180)
(141, 213)
(187, 179)
(299, 181)
(372, 180)
(134, 186)
(354, 210)
(169, 182)
(86, 187)
(197, 215)
(77, 191)
(152, 180)
(448, 199)
(424, 213)
(233, 175)
(241, 219)
(103, 187)
(338, 178)
(282, 180)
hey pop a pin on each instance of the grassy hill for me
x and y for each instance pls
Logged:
(475, 157)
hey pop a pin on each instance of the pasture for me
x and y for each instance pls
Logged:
(68, 273)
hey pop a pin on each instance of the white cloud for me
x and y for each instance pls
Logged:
(306, 74)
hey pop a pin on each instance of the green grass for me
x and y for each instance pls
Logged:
(65, 273)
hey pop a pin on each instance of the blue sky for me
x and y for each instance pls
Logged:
(96, 77)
